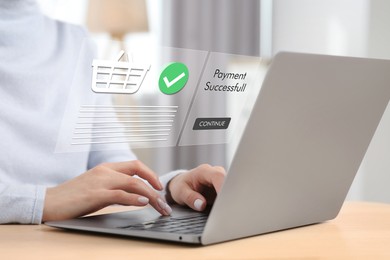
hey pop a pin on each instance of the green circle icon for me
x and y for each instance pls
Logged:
(173, 78)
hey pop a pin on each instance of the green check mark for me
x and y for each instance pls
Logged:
(173, 78)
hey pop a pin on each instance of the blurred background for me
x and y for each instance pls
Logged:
(358, 28)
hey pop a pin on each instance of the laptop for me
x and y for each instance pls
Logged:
(303, 144)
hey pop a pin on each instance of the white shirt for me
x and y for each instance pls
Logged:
(38, 56)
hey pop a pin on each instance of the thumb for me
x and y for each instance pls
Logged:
(195, 200)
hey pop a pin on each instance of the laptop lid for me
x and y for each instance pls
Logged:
(304, 142)
(302, 146)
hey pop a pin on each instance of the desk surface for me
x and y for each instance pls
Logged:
(361, 231)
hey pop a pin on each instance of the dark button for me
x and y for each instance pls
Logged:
(211, 123)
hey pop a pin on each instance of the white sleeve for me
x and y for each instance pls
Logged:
(122, 151)
(166, 178)
(21, 203)
(169, 176)
(97, 157)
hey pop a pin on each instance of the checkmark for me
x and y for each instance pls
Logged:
(170, 83)
(178, 73)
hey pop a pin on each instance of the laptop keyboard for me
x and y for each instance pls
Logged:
(193, 224)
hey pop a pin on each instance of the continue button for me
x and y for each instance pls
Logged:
(211, 123)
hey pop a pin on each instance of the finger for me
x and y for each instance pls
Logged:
(137, 186)
(136, 168)
(127, 199)
(193, 199)
(114, 180)
(102, 199)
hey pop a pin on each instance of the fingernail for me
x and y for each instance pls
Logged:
(168, 209)
(143, 200)
(164, 206)
(198, 204)
(161, 203)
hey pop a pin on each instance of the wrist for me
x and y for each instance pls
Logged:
(168, 195)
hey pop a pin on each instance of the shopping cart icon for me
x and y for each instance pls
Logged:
(117, 77)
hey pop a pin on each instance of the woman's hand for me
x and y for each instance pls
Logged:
(197, 187)
(104, 185)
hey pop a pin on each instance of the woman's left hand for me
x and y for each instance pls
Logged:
(198, 187)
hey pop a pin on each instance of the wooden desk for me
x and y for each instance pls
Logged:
(361, 231)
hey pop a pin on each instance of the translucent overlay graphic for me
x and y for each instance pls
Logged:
(211, 108)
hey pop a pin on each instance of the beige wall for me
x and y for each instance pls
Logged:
(375, 171)
(343, 27)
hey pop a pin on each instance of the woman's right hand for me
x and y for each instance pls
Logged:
(104, 185)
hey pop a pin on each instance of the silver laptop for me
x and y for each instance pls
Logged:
(303, 144)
